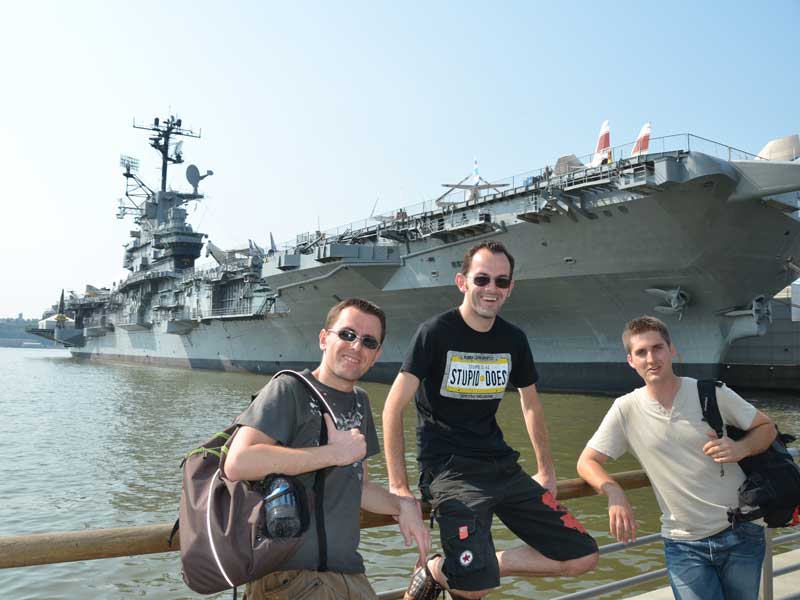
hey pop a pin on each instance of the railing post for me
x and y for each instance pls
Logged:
(766, 570)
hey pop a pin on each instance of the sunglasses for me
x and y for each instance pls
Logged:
(350, 336)
(501, 281)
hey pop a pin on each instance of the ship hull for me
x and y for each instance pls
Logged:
(581, 273)
(572, 311)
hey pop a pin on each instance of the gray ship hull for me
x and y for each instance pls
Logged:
(701, 241)
(577, 283)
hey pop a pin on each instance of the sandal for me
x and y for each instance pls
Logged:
(422, 585)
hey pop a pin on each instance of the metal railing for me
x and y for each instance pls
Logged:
(41, 549)
(766, 579)
(220, 313)
(49, 548)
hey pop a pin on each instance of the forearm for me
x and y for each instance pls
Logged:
(379, 500)
(593, 473)
(758, 439)
(399, 397)
(259, 460)
(394, 447)
(540, 438)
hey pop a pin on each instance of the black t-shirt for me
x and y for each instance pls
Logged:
(464, 375)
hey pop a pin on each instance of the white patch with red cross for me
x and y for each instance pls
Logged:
(466, 558)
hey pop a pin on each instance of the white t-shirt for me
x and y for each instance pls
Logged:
(693, 497)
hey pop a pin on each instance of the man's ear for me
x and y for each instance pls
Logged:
(323, 339)
(630, 362)
(461, 281)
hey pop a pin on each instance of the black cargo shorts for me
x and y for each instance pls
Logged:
(465, 494)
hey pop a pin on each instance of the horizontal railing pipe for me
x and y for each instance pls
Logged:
(69, 546)
(615, 585)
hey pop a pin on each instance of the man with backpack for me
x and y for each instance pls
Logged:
(280, 434)
(693, 472)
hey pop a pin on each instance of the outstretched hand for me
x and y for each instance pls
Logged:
(724, 449)
(345, 447)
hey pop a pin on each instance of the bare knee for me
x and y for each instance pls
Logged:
(579, 566)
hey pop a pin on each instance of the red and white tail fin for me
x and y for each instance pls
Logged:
(603, 151)
(642, 145)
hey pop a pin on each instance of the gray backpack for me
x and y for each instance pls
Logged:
(222, 523)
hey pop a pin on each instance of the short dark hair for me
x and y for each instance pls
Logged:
(364, 306)
(492, 246)
(644, 324)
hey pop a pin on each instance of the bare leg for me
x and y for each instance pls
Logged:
(521, 561)
(525, 561)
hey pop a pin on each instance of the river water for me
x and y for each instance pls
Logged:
(90, 446)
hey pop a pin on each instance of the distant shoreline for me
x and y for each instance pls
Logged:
(21, 343)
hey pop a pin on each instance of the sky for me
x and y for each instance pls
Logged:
(313, 113)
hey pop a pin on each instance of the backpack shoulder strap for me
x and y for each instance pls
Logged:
(315, 393)
(319, 476)
(707, 390)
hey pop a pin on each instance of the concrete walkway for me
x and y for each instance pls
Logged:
(784, 587)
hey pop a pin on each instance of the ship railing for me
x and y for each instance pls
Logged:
(507, 185)
(50, 548)
(83, 300)
(144, 275)
(221, 313)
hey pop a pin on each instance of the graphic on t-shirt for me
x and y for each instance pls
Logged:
(350, 419)
(475, 376)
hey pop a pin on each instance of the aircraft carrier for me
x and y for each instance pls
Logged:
(694, 231)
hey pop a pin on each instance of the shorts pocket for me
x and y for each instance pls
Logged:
(464, 547)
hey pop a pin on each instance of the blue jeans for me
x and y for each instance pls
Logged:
(725, 566)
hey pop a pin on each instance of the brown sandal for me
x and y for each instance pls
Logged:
(422, 585)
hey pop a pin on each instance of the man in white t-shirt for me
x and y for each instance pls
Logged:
(694, 475)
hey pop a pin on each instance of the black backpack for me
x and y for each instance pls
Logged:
(771, 488)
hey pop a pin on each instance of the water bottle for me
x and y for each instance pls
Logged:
(281, 510)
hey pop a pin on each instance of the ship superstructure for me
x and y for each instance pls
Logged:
(697, 232)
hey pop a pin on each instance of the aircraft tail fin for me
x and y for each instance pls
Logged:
(602, 153)
(642, 145)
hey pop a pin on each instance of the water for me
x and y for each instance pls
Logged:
(90, 446)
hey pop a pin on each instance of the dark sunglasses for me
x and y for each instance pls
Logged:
(350, 336)
(501, 281)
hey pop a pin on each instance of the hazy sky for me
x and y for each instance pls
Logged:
(312, 111)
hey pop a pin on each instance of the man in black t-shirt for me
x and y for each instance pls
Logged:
(459, 365)
(280, 434)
